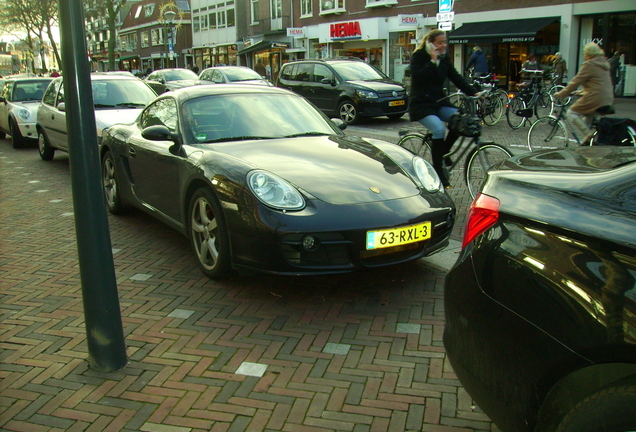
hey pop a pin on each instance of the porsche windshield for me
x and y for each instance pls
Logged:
(252, 116)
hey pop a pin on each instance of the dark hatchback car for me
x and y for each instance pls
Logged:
(348, 88)
(541, 304)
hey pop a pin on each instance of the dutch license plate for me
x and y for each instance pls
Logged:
(398, 236)
(396, 103)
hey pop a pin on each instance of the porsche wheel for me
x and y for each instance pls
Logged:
(109, 184)
(44, 148)
(208, 234)
(348, 112)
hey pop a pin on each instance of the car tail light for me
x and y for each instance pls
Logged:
(483, 213)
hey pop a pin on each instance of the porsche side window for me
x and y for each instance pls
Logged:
(163, 112)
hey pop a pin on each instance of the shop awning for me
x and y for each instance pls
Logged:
(128, 57)
(519, 30)
(263, 45)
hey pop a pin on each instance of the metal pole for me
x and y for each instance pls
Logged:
(104, 331)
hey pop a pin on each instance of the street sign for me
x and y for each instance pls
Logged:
(445, 16)
(445, 5)
(445, 25)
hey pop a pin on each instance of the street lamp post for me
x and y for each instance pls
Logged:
(169, 15)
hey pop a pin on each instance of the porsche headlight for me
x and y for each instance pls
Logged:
(367, 94)
(24, 114)
(275, 192)
(426, 175)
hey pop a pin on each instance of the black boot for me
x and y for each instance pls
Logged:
(448, 145)
(437, 153)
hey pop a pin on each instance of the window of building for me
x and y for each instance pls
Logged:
(144, 39)
(305, 8)
(149, 9)
(157, 36)
(332, 6)
(254, 11)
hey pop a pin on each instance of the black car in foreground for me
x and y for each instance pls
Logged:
(541, 304)
(258, 178)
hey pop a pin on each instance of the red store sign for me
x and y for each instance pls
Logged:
(349, 30)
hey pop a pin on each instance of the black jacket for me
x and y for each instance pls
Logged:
(427, 84)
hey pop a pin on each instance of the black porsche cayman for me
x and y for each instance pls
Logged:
(256, 177)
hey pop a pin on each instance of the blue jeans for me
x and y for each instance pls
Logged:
(435, 123)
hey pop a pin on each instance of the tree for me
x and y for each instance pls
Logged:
(31, 19)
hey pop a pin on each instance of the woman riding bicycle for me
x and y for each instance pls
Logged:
(429, 70)
(594, 77)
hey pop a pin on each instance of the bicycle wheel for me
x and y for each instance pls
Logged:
(503, 95)
(417, 144)
(478, 163)
(492, 110)
(544, 105)
(559, 102)
(515, 105)
(547, 132)
(456, 99)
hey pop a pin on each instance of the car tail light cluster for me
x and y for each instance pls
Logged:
(483, 213)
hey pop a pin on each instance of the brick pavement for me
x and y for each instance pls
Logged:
(358, 352)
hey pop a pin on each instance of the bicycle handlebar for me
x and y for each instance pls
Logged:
(479, 95)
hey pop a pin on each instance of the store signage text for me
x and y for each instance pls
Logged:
(408, 19)
(518, 39)
(296, 32)
(349, 30)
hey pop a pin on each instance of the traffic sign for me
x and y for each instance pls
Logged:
(445, 16)
(445, 5)
(445, 25)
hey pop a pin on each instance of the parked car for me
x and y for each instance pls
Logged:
(19, 102)
(541, 303)
(117, 98)
(345, 87)
(163, 80)
(231, 75)
(287, 192)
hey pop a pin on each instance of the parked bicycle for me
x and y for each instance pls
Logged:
(490, 108)
(558, 132)
(476, 155)
(532, 99)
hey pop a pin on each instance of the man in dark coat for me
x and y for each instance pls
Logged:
(430, 68)
(479, 61)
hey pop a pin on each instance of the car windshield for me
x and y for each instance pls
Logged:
(126, 93)
(357, 71)
(31, 90)
(241, 116)
(181, 74)
(242, 74)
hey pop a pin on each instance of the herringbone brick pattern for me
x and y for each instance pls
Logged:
(359, 352)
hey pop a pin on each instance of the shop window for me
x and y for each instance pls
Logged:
(144, 39)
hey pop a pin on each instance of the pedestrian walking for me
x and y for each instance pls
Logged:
(478, 61)
(559, 69)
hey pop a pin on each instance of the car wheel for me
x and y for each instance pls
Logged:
(46, 151)
(16, 136)
(208, 234)
(348, 112)
(109, 184)
(608, 410)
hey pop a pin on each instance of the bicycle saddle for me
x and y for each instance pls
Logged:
(607, 109)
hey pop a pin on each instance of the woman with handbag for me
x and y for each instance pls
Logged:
(430, 68)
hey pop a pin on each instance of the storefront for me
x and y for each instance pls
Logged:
(222, 55)
(386, 43)
(507, 44)
(272, 53)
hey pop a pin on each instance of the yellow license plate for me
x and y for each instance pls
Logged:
(396, 103)
(398, 236)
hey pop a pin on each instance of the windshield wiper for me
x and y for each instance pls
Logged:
(306, 134)
(104, 106)
(131, 105)
(238, 138)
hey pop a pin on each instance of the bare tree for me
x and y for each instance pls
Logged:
(31, 19)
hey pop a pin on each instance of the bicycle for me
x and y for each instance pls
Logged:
(492, 107)
(533, 99)
(478, 156)
(552, 131)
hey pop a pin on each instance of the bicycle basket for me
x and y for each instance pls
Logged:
(465, 125)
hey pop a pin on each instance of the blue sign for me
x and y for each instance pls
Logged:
(445, 5)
